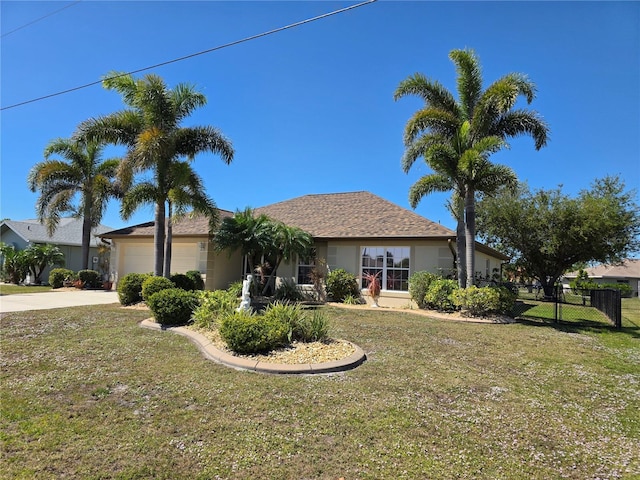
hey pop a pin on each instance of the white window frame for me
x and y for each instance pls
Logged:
(384, 267)
(300, 263)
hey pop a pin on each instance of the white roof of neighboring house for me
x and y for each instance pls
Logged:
(629, 269)
(69, 231)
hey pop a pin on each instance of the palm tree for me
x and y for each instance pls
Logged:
(39, 257)
(285, 243)
(81, 175)
(475, 126)
(247, 233)
(150, 129)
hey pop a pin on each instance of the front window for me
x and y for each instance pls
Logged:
(305, 267)
(391, 264)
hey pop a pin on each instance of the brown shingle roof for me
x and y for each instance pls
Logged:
(185, 226)
(353, 215)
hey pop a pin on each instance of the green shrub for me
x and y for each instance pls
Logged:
(153, 285)
(57, 276)
(288, 313)
(213, 305)
(312, 327)
(351, 300)
(438, 296)
(625, 289)
(235, 289)
(173, 306)
(341, 283)
(506, 299)
(130, 288)
(288, 291)
(90, 278)
(419, 284)
(180, 280)
(477, 302)
(247, 333)
(196, 279)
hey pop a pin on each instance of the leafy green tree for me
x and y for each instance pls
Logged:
(547, 232)
(456, 137)
(39, 257)
(151, 130)
(81, 175)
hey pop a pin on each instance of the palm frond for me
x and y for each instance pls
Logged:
(186, 99)
(138, 195)
(418, 148)
(430, 120)
(427, 185)
(522, 122)
(434, 94)
(190, 141)
(469, 80)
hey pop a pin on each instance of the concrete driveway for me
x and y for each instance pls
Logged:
(54, 299)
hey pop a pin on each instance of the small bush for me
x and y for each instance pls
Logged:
(341, 283)
(438, 296)
(351, 300)
(475, 301)
(506, 299)
(213, 305)
(173, 306)
(153, 285)
(235, 289)
(247, 333)
(196, 279)
(288, 313)
(625, 288)
(419, 284)
(288, 291)
(312, 328)
(90, 278)
(180, 280)
(57, 276)
(130, 288)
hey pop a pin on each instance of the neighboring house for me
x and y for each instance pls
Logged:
(351, 231)
(67, 237)
(627, 273)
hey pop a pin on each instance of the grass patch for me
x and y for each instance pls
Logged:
(10, 289)
(86, 393)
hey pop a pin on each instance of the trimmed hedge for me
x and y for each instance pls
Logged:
(173, 306)
(57, 276)
(438, 296)
(90, 278)
(130, 288)
(153, 285)
(247, 333)
(196, 279)
(180, 280)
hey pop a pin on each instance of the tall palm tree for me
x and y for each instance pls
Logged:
(475, 126)
(150, 129)
(82, 176)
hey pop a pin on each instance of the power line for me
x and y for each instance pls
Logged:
(41, 18)
(179, 59)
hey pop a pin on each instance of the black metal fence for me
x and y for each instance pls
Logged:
(578, 305)
(609, 302)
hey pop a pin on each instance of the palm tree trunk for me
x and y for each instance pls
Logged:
(86, 229)
(158, 239)
(168, 240)
(461, 247)
(470, 234)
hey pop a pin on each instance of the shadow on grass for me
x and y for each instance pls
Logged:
(528, 313)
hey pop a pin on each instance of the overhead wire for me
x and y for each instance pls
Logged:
(202, 52)
(40, 18)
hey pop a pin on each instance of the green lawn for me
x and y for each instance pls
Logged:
(87, 393)
(10, 289)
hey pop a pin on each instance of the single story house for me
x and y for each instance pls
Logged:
(67, 237)
(628, 273)
(352, 231)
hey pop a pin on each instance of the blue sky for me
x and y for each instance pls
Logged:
(311, 109)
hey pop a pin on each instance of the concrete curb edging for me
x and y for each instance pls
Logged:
(210, 352)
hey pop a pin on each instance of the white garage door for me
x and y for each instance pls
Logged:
(139, 258)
